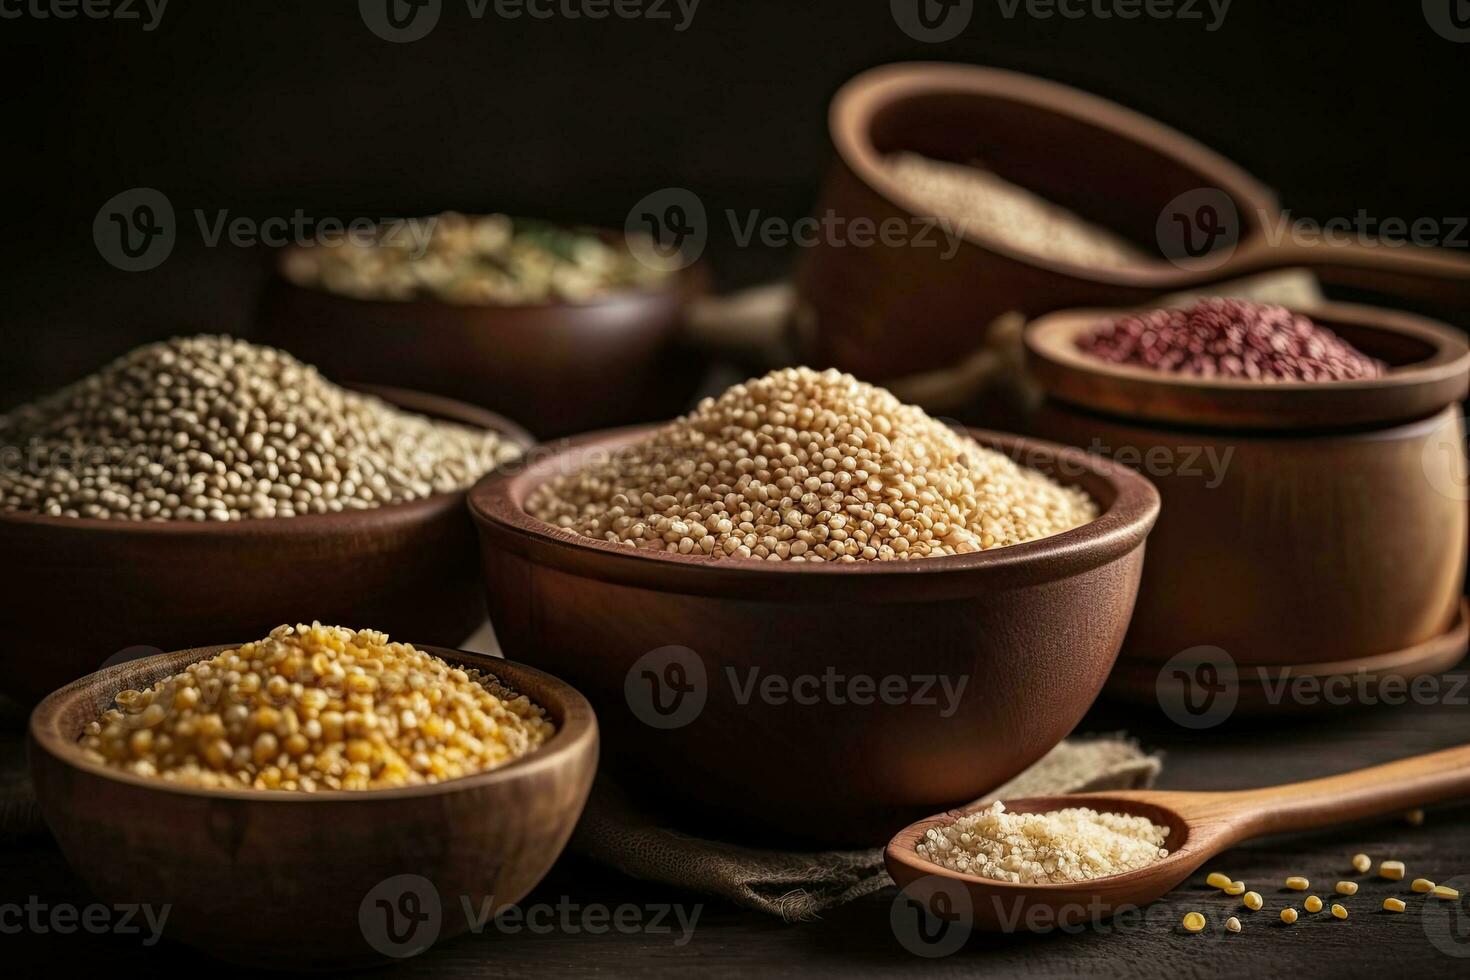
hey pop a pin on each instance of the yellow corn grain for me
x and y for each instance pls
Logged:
(1361, 863)
(1253, 901)
(1298, 883)
(1422, 885)
(1288, 915)
(1339, 911)
(1444, 892)
(1347, 887)
(1217, 880)
(1235, 888)
(1194, 922)
(1393, 905)
(1392, 870)
(1313, 903)
(1233, 924)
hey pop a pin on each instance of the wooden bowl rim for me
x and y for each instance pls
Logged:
(575, 729)
(672, 287)
(859, 100)
(409, 512)
(496, 503)
(1138, 677)
(1067, 373)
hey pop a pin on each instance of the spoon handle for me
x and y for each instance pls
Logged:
(1370, 792)
(1435, 275)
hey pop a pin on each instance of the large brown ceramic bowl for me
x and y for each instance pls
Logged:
(558, 368)
(809, 701)
(917, 301)
(311, 880)
(1308, 528)
(82, 591)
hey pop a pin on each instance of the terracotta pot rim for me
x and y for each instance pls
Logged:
(343, 522)
(863, 97)
(497, 505)
(577, 726)
(1416, 390)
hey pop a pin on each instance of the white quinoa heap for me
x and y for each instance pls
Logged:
(977, 200)
(211, 428)
(1074, 844)
(317, 708)
(803, 465)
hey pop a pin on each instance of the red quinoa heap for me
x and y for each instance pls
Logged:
(1231, 338)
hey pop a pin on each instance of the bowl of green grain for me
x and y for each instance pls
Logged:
(206, 487)
(565, 328)
(808, 612)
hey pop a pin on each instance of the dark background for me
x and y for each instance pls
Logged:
(266, 106)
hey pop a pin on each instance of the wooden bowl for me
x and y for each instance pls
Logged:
(559, 368)
(668, 646)
(905, 305)
(85, 590)
(1303, 524)
(291, 880)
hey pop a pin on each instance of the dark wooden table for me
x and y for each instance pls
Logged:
(859, 939)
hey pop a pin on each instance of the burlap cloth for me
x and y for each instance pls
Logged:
(798, 885)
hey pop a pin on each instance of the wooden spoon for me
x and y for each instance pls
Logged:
(1201, 825)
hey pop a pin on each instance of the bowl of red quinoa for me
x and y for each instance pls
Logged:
(1226, 362)
(1312, 469)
